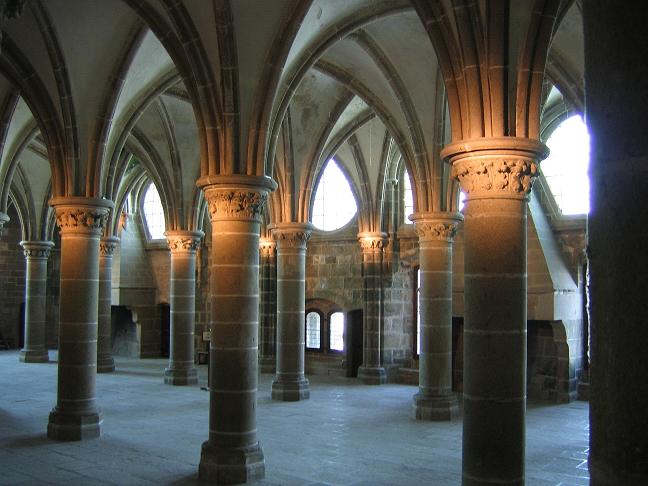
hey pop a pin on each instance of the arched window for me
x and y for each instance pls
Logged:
(336, 331)
(408, 197)
(313, 327)
(565, 170)
(462, 201)
(153, 213)
(334, 204)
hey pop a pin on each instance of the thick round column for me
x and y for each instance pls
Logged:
(435, 400)
(36, 255)
(496, 175)
(233, 454)
(105, 361)
(616, 46)
(371, 371)
(268, 309)
(81, 221)
(182, 301)
(289, 383)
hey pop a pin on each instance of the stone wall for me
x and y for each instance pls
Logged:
(12, 280)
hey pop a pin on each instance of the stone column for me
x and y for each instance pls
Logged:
(435, 400)
(616, 105)
(105, 361)
(233, 454)
(36, 255)
(496, 175)
(372, 372)
(289, 383)
(81, 221)
(182, 302)
(268, 309)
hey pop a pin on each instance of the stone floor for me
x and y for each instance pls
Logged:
(345, 434)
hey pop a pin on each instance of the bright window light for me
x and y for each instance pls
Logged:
(336, 331)
(153, 213)
(408, 197)
(565, 170)
(462, 200)
(313, 330)
(334, 204)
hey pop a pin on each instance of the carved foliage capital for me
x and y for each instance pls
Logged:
(267, 246)
(183, 243)
(291, 238)
(372, 241)
(237, 204)
(107, 246)
(91, 219)
(512, 176)
(436, 230)
(37, 249)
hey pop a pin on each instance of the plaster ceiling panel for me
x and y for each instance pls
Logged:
(344, 157)
(257, 25)
(188, 146)
(26, 35)
(21, 123)
(151, 126)
(567, 47)
(38, 175)
(94, 36)
(355, 63)
(409, 51)
(311, 111)
(370, 138)
(356, 108)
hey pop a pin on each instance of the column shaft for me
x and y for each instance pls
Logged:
(76, 415)
(435, 400)
(372, 372)
(497, 175)
(105, 361)
(290, 383)
(182, 300)
(232, 453)
(36, 255)
(268, 309)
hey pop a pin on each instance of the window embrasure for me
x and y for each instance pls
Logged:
(334, 204)
(565, 171)
(153, 213)
(408, 197)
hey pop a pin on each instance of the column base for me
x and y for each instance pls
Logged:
(372, 375)
(174, 376)
(268, 365)
(74, 426)
(105, 364)
(33, 356)
(231, 466)
(291, 391)
(435, 408)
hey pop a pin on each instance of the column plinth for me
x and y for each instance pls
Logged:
(105, 361)
(497, 175)
(435, 400)
(371, 372)
(268, 317)
(81, 221)
(232, 453)
(290, 383)
(36, 256)
(182, 300)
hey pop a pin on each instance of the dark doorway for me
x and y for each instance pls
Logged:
(354, 345)
(165, 328)
(124, 332)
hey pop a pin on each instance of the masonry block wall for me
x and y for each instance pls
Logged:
(12, 281)
(53, 293)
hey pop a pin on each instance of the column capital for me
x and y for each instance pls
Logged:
(500, 167)
(107, 246)
(37, 249)
(436, 226)
(183, 241)
(78, 214)
(291, 235)
(236, 197)
(267, 246)
(3, 219)
(372, 240)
